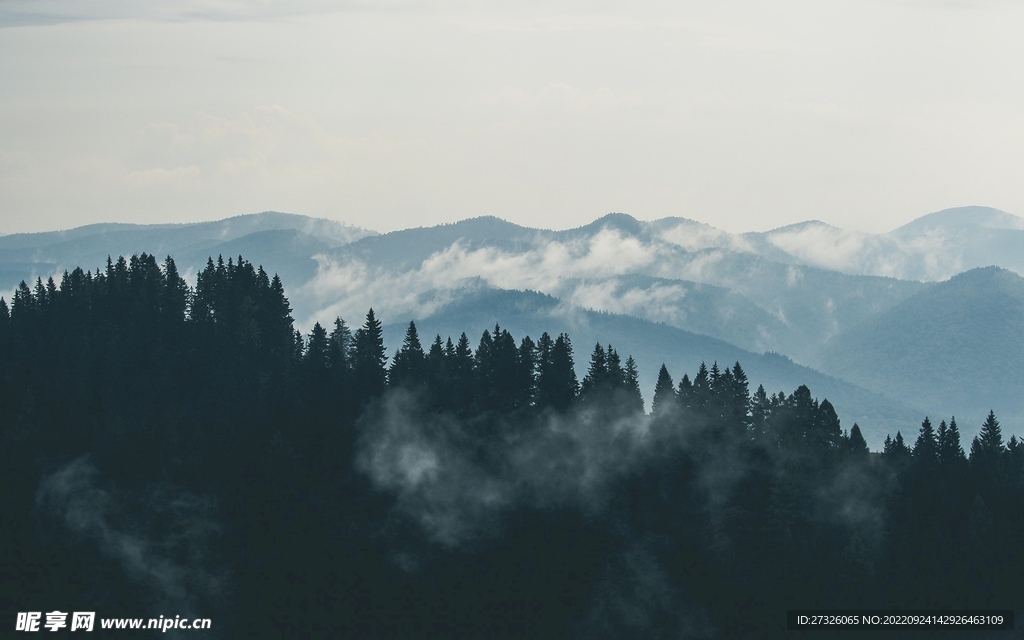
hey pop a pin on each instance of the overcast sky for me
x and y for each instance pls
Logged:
(744, 114)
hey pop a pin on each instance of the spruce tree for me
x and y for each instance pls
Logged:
(317, 354)
(826, 432)
(561, 386)
(988, 444)
(369, 359)
(596, 379)
(950, 451)
(856, 443)
(634, 400)
(760, 410)
(463, 377)
(684, 393)
(408, 367)
(616, 376)
(664, 393)
(174, 303)
(926, 448)
(341, 348)
(526, 380)
(701, 395)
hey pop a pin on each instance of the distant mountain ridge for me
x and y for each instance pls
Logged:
(956, 346)
(25, 256)
(846, 303)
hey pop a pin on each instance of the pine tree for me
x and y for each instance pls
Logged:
(634, 400)
(760, 411)
(369, 359)
(557, 385)
(926, 448)
(463, 377)
(664, 393)
(856, 443)
(950, 451)
(436, 364)
(616, 375)
(701, 395)
(317, 354)
(826, 432)
(408, 367)
(526, 380)
(896, 449)
(684, 393)
(562, 387)
(596, 379)
(739, 398)
(175, 299)
(341, 348)
(986, 459)
(988, 444)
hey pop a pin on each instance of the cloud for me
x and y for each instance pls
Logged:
(347, 286)
(425, 460)
(169, 560)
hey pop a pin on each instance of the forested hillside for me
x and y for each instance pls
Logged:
(174, 450)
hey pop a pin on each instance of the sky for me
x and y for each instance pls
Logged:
(389, 114)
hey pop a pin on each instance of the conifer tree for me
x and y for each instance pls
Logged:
(986, 459)
(701, 394)
(826, 432)
(760, 410)
(634, 400)
(526, 381)
(856, 443)
(408, 367)
(896, 450)
(664, 393)
(341, 348)
(559, 387)
(463, 378)
(369, 358)
(684, 393)
(317, 354)
(616, 376)
(950, 451)
(926, 448)
(174, 302)
(596, 378)
(437, 379)
(739, 397)
(988, 444)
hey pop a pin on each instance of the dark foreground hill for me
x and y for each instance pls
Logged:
(169, 451)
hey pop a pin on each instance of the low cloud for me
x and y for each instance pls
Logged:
(171, 561)
(427, 461)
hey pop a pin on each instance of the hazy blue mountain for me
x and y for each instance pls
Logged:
(811, 291)
(616, 264)
(28, 255)
(930, 248)
(651, 344)
(957, 346)
(287, 252)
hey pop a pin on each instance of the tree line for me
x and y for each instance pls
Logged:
(196, 426)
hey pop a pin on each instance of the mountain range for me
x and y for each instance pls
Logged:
(924, 320)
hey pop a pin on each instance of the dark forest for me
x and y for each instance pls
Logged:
(172, 450)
